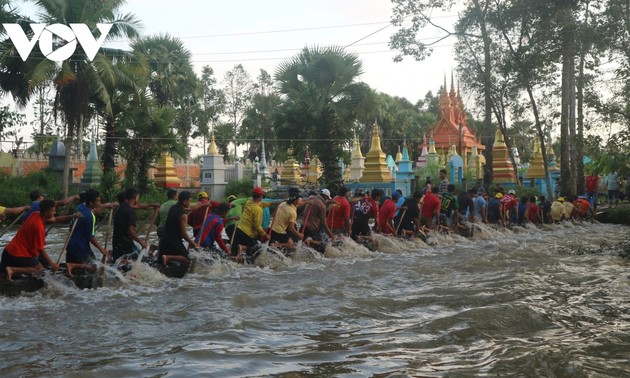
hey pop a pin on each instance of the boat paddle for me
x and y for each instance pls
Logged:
(303, 228)
(109, 228)
(65, 245)
(146, 239)
(400, 221)
(12, 224)
(205, 216)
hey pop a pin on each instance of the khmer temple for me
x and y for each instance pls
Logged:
(452, 119)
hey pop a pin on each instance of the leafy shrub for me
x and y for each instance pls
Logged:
(239, 188)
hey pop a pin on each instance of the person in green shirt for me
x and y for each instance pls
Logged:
(160, 220)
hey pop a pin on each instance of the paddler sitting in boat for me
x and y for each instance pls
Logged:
(79, 254)
(37, 196)
(315, 219)
(386, 215)
(249, 229)
(4, 211)
(284, 224)
(171, 245)
(22, 253)
(365, 209)
(338, 218)
(213, 227)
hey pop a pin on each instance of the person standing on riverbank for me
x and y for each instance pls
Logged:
(592, 182)
(612, 184)
(24, 251)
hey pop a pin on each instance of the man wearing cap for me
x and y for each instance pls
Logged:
(37, 196)
(317, 217)
(234, 214)
(558, 211)
(196, 217)
(494, 209)
(568, 205)
(249, 228)
(386, 215)
(509, 204)
(284, 224)
(339, 213)
(480, 206)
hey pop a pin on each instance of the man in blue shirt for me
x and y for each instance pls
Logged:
(480, 206)
(79, 252)
(36, 196)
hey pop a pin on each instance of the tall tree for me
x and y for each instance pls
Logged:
(322, 97)
(212, 104)
(78, 80)
(239, 89)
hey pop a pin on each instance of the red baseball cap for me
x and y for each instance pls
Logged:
(258, 190)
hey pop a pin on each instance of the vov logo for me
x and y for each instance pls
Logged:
(72, 34)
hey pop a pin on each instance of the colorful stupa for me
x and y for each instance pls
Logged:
(502, 170)
(375, 165)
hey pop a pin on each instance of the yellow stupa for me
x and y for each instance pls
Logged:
(375, 162)
(398, 155)
(537, 166)
(165, 176)
(291, 173)
(502, 171)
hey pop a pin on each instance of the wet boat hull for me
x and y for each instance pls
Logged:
(19, 285)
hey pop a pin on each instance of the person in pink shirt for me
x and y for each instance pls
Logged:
(386, 215)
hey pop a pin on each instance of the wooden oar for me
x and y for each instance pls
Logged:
(400, 221)
(65, 245)
(109, 227)
(198, 238)
(12, 224)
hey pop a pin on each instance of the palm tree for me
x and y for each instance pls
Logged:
(322, 97)
(77, 80)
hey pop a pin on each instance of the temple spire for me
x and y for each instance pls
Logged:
(212, 149)
(452, 94)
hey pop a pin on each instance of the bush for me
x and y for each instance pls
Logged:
(15, 190)
(109, 187)
(239, 188)
(619, 215)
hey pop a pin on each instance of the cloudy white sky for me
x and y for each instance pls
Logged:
(261, 34)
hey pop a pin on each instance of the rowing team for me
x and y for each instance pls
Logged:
(247, 222)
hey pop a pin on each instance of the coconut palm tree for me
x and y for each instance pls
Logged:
(77, 80)
(322, 96)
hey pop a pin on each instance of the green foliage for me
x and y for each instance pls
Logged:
(109, 186)
(15, 189)
(323, 98)
(239, 188)
(619, 215)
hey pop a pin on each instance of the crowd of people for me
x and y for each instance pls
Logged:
(314, 220)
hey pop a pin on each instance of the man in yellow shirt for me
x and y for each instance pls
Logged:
(558, 211)
(284, 223)
(249, 229)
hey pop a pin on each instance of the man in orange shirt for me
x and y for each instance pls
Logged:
(22, 253)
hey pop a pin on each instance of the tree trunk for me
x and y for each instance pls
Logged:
(567, 20)
(579, 142)
(487, 87)
(65, 180)
(109, 152)
(541, 136)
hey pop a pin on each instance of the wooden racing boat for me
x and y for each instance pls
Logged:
(84, 278)
(20, 284)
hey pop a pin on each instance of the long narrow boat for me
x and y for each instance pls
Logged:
(85, 278)
(20, 284)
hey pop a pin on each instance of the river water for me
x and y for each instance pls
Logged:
(552, 302)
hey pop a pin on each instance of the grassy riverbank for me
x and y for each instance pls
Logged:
(617, 215)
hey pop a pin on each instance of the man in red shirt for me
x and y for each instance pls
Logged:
(365, 209)
(339, 213)
(386, 215)
(591, 190)
(430, 208)
(533, 212)
(22, 253)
